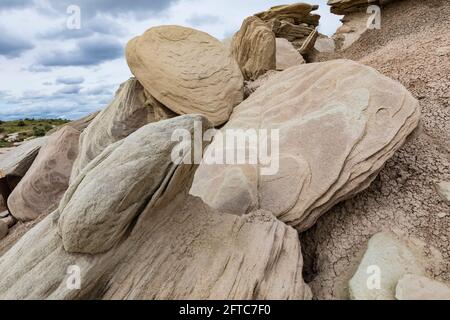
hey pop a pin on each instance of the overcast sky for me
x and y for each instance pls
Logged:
(48, 70)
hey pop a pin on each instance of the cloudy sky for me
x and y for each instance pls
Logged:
(50, 70)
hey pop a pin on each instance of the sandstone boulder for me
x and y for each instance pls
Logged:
(254, 48)
(156, 226)
(188, 71)
(325, 45)
(130, 172)
(287, 55)
(413, 287)
(338, 123)
(128, 112)
(389, 257)
(43, 186)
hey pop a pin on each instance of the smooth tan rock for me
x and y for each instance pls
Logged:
(129, 111)
(325, 45)
(287, 55)
(203, 254)
(443, 189)
(43, 186)
(130, 172)
(188, 71)
(254, 48)
(389, 257)
(414, 287)
(338, 122)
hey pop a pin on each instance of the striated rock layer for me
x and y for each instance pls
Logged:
(147, 224)
(295, 22)
(188, 71)
(338, 122)
(43, 186)
(254, 48)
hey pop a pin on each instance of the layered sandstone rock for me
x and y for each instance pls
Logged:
(389, 258)
(43, 186)
(413, 287)
(254, 48)
(188, 71)
(129, 111)
(338, 123)
(155, 226)
(295, 22)
(346, 6)
(287, 55)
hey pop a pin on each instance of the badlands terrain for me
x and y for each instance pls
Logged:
(354, 204)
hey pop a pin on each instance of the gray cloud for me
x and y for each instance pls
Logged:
(100, 25)
(74, 89)
(89, 52)
(70, 80)
(14, 4)
(37, 68)
(12, 46)
(202, 19)
(115, 7)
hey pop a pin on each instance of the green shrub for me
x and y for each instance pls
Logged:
(21, 123)
(39, 131)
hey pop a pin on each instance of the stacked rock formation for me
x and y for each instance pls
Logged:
(295, 23)
(340, 106)
(140, 225)
(211, 256)
(187, 71)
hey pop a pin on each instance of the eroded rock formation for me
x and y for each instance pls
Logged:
(204, 254)
(295, 23)
(340, 106)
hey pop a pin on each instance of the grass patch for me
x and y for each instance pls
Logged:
(27, 128)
